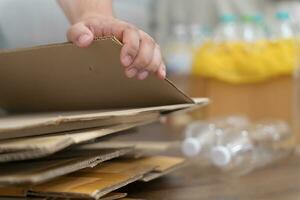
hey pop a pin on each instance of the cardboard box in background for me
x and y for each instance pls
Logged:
(267, 100)
(272, 99)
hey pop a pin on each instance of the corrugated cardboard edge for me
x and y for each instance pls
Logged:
(75, 137)
(35, 153)
(48, 175)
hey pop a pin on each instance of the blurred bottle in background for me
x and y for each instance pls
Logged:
(247, 30)
(283, 29)
(178, 52)
(199, 35)
(227, 30)
(260, 27)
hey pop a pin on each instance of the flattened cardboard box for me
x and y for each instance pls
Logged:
(41, 146)
(63, 77)
(100, 180)
(41, 170)
(14, 126)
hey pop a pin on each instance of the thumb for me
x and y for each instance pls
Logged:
(80, 35)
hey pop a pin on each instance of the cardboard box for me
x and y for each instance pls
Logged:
(270, 99)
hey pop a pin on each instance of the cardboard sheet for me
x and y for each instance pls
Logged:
(41, 170)
(39, 124)
(41, 146)
(100, 180)
(63, 77)
(93, 184)
(166, 165)
(14, 126)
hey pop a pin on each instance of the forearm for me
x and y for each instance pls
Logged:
(77, 10)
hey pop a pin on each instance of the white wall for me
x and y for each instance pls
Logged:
(26, 23)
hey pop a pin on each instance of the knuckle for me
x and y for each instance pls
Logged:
(142, 61)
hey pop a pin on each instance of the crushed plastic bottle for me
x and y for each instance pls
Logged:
(240, 151)
(235, 145)
(199, 137)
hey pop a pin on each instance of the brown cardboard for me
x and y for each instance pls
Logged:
(41, 170)
(100, 180)
(37, 124)
(113, 196)
(166, 166)
(41, 146)
(95, 184)
(63, 77)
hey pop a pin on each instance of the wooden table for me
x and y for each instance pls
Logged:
(278, 182)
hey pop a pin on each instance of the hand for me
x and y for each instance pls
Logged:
(140, 55)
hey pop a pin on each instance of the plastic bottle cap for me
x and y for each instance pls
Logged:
(282, 15)
(191, 147)
(220, 156)
(247, 18)
(227, 18)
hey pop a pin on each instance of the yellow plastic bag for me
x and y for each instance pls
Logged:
(240, 62)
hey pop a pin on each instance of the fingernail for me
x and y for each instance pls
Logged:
(131, 72)
(127, 60)
(143, 75)
(163, 73)
(84, 39)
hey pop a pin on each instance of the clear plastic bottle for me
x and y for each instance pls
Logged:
(178, 52)
(199, 138)
(260, 27)
(248, 29)
(227, 30)
(283, 28)
(199, 35)
(239, 152)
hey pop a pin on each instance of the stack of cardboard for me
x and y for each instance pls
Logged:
(60, 97)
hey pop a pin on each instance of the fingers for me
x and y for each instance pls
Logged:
(140, 55)
(80, 35)
(149, 59)
(144, 57)
(161, 72)
(131, 45)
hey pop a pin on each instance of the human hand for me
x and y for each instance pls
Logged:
(140, 54)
